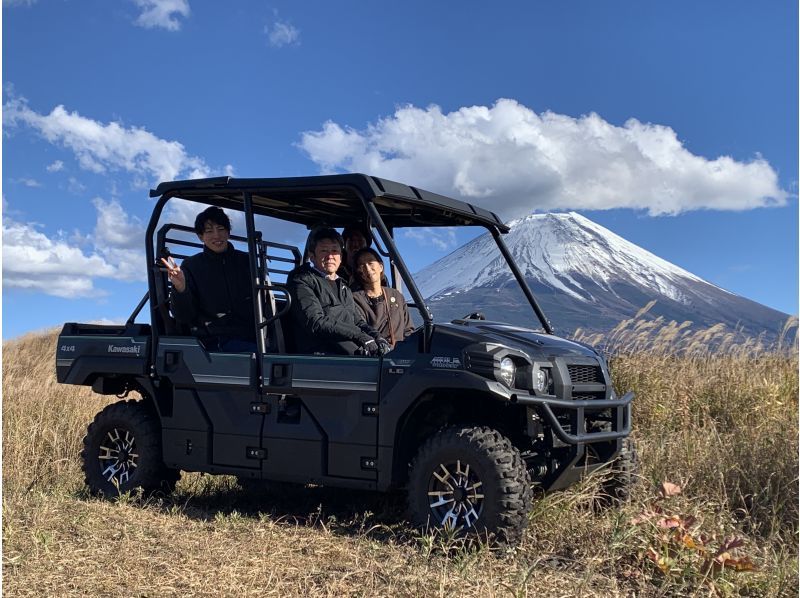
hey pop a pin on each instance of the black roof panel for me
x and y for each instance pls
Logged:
(333, 199)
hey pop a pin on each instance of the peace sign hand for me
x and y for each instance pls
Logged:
(175, 274)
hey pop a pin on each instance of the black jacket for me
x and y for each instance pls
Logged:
(323, 313)
(218, 299)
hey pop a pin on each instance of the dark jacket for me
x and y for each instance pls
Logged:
(391, 319)
(218, 299)
(323, 313)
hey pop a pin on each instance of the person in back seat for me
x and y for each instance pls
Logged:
(355, 237)
(324, 316)
(211, 291)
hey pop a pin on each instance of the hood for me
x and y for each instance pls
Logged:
(536, 344)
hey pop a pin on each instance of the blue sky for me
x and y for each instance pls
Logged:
(672, 124)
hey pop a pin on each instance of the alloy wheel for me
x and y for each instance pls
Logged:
(118, 456)
(455, 495)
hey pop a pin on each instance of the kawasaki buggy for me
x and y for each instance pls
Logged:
(465, 416)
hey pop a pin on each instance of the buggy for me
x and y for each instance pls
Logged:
(466, 416)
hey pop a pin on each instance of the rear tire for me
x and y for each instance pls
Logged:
(471, 480)
(122, 452)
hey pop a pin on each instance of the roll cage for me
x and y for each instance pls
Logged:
(335, 200)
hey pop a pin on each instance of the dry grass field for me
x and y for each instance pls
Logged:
(715, 512)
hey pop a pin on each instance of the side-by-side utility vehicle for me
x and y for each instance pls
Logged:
(466, 416)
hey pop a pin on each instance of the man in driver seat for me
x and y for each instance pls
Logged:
(211, 291)
(323, 312)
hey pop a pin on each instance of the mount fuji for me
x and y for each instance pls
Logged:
(584, 276)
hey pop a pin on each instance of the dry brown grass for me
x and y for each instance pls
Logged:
(723, 427)
(648, 334)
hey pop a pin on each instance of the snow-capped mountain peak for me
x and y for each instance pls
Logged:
(560, 250)
(584, 276)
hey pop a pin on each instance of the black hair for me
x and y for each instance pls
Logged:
(367, 250)
(358, 227)
(320, 233)
(212, 214)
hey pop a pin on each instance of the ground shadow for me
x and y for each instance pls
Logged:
(340, 511)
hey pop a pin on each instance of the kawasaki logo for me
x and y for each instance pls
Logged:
(137, 349)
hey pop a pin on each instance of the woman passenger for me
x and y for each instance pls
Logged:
(384, 308)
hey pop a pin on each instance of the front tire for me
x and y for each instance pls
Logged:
(122, 452)
(626, 471)
(471, 480)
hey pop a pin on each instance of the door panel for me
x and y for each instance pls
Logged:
(339, 396)
(224, 387)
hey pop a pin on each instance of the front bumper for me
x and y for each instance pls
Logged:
(578, 409)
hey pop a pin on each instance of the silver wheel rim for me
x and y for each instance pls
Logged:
(455, 495)
(118, 457)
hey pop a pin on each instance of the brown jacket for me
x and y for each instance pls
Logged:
(392, 323)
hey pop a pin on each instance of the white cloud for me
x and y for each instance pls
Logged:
(29, 182)
(109, 321)
(58, 266)
(100, 147)
(282, 33)
(115, 227)
(75, 186)
(119, 239)
(56, 166)
(162, 13)
(67, 264)
(32, 260)
(511, 160)
(439, 238)
(19, 2)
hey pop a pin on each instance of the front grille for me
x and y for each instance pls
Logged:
(585, 374)
(589, 396)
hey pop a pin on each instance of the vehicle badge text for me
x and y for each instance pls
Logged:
(450, 363)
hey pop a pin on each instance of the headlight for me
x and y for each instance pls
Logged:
(508, 371)
(540, 381)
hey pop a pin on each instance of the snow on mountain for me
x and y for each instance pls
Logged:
(552, 248)
(584, 275)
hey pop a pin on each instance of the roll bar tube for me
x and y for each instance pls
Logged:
(256, 284)
(139, 307)
(521, 280)
(151, 277)
(397, 260)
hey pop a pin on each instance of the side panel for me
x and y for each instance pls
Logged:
(212, 416)
(186, 449)
(78, 358)
(335, 400)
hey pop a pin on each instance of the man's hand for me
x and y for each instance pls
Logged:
(383, 345)
(175, 274)
(375, 347)
(371, 348)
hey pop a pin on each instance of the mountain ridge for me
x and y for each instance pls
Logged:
(584, 276)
